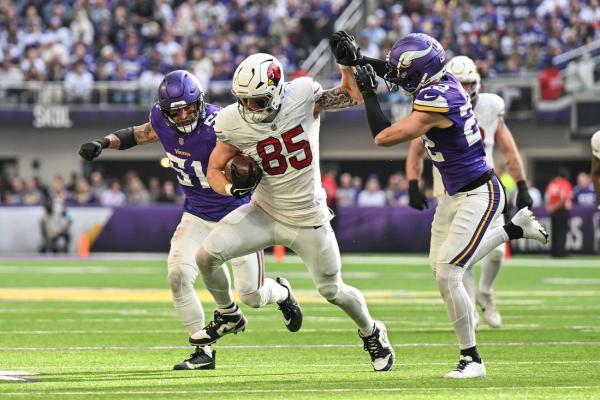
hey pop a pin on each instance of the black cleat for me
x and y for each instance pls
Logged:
(203, 358)
(220, 326)
(379, 348)
(292, 313)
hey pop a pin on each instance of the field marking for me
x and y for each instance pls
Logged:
(196, 392)
(293, 346)
(571, 281)
(78, 270)
(427, 327)
(309, 296)
(52, 369)
(351, 259)
(16, 376)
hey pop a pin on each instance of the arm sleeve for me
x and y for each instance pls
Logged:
(379, 66)
(376, 118)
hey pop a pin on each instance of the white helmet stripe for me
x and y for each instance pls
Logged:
(409, 56)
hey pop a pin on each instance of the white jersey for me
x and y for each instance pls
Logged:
(488, 108)
(288, 151)
(596, 145)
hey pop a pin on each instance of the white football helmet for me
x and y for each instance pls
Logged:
(258, 87)
(465, 70)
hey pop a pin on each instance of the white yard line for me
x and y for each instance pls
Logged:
(294, 346)
(51, 369)
(197, 391)
(571, 281)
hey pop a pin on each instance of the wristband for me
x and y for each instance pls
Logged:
(228, 187)
(522, 185)
(104, 142)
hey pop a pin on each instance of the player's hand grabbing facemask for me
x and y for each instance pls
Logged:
(345, 49)
(90, 150)
(242, 186)
(523, 197)
(366, 80)
(416, 198)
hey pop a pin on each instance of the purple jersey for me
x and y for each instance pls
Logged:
(457, 151)
(188, 155)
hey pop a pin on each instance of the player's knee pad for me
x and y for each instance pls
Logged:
(329, 291)
(447, 277)
(181, 275)
(497, 254)
(252, 299)
(206, 261)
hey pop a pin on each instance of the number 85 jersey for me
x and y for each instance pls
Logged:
(287, 149)
(457, 151)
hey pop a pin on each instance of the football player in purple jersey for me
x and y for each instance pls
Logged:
(183, 123)
(442, 116)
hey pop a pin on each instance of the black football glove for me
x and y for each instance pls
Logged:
(345, 49)
(90, 150)
(366, 80)
(241, 186)
(416, 198)
(523, 197)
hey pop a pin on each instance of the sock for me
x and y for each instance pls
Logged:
(229, 309)
(471, 352)
(513, 231)
(367, 332)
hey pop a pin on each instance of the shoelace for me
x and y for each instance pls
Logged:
(194, 354)
(373, 345)
(216, 322)
(462, 364)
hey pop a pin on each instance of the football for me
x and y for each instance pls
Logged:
(242, 164)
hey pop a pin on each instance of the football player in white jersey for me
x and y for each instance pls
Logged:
(277, 124)
(596, 164)
(489, 112)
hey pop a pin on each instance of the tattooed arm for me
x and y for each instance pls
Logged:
(122, 139)
(129, 137)
(341, 97)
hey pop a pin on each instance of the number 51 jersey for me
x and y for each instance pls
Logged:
(457, 151)
(287, 149)
(188, 155)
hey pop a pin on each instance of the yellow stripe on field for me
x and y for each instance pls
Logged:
(304, 296)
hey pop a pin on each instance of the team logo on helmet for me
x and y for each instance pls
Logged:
(273, 75)
(407, 57)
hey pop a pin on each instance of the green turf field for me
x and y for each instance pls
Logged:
(106, 329)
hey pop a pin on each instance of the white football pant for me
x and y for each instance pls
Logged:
(249, 228)
(254, 289)
(461, 236)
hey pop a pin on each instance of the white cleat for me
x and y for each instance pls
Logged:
(491, 316)
(467, 369)
(379, 348)
(532, 229)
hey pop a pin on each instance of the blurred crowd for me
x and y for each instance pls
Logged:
(347, 190)
(94, 190)
(78, 42)
(503, 36)
(343, 190)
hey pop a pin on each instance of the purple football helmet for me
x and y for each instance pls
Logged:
(181, 100)
(415, 60)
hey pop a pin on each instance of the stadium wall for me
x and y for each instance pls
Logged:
(365, 230)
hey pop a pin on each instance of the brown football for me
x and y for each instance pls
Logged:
(242, 164)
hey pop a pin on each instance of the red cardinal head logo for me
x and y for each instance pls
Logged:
(273, 74)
